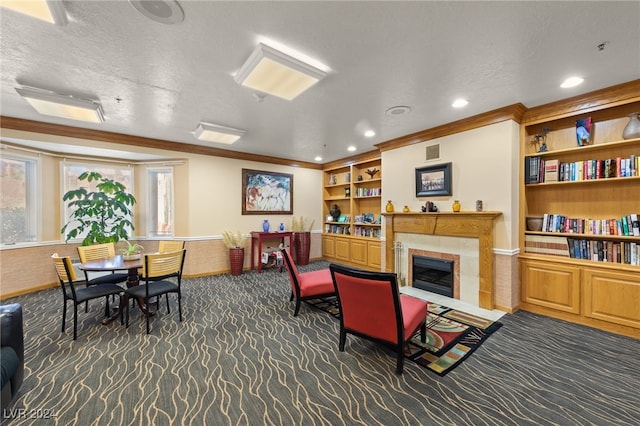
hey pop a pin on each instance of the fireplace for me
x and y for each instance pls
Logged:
(433, 275)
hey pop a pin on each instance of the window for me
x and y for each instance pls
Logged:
(160, 218)
(18, 199)
(71, 171)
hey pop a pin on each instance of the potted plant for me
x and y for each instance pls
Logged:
(302, 239)
(104, 214)
(132, 251)
(235, 244)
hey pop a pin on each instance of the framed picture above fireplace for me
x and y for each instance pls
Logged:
(433, 180)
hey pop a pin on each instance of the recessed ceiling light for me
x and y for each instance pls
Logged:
(459, 103)
(216, 133)
(274, 72)
(63, 106)
(398, 110)
(351, 148)
(571, 82)
(50, 11)
(318, 158)
(369, 134)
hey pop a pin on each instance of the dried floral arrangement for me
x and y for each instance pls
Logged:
(300, 225)
(233, 239)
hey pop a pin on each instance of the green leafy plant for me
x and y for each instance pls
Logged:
(130, 249)
(233, 240)
(104, 214)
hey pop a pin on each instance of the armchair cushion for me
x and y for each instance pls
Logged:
(12, 351)
(315, 282)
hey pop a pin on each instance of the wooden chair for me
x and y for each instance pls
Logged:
(162, 274)
(99, 252)
(307, 285)
(372, 307)
(68, 283)
(169, 246)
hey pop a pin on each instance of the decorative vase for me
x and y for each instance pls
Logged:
(347, 177)
(405, 209)
(302, 246)
(335, 212)
(632, 129)
(236, 260)
(281, 227)
(456, 206)
(389, 207)
(265, 225)
(332, 179)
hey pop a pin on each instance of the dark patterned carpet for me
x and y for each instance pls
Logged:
(240, 357)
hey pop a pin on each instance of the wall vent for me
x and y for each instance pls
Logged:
(433, 152)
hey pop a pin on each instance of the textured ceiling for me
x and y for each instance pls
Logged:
(380, 54)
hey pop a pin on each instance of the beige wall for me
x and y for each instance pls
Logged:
(484, 167)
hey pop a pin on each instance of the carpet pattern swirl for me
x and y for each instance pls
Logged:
(241, 358)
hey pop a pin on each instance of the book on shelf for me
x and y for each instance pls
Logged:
(635, 224)
(551, 169)
(546, 244)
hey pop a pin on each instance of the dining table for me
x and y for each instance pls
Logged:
(118, 263)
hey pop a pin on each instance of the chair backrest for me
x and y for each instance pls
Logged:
(96, 252)
(66, 275)
(163, 265)
(169, 246)
(292, 269)
(369, 302)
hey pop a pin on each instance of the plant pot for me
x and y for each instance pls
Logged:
(236, 260)
(302, 246)
(135, 256)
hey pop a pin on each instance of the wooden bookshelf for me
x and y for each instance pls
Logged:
(590, 288)
(356, 239)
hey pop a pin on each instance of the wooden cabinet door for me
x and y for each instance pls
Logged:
(551, 285)
(374, 254)
(359, 252)
(612, 296)
(342, 249)
(328, 247)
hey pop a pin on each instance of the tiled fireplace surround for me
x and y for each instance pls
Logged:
(465, 237)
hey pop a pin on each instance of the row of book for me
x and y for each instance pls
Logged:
(539, 170)
(605, 251)
(366, 231)
(628, 225)
(337, 229)
(368, 192)
(623, 252)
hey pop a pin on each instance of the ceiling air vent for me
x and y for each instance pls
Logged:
(433, 152)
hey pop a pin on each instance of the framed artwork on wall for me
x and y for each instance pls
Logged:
(433, 180)
(266, 192)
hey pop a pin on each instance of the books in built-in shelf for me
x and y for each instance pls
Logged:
(337, 229)
(366, 231)
(539, 170)
(627, 225)
(368, 192)
(622, 252)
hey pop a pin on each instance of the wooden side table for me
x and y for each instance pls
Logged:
(256, 241)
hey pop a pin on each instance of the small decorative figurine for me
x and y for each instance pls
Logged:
(372, 172)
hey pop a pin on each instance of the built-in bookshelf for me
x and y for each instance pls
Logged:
(584, 264)
(356, 190)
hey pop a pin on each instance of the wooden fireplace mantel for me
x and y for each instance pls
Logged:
(462, 224)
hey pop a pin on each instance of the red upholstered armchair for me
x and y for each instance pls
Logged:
(307, 285)
(372, 307)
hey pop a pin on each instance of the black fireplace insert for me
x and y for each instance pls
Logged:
(432, 274)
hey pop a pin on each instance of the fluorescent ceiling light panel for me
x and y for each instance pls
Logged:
(270, 71)
(49, 103)
(214, 133)
(51, 11)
